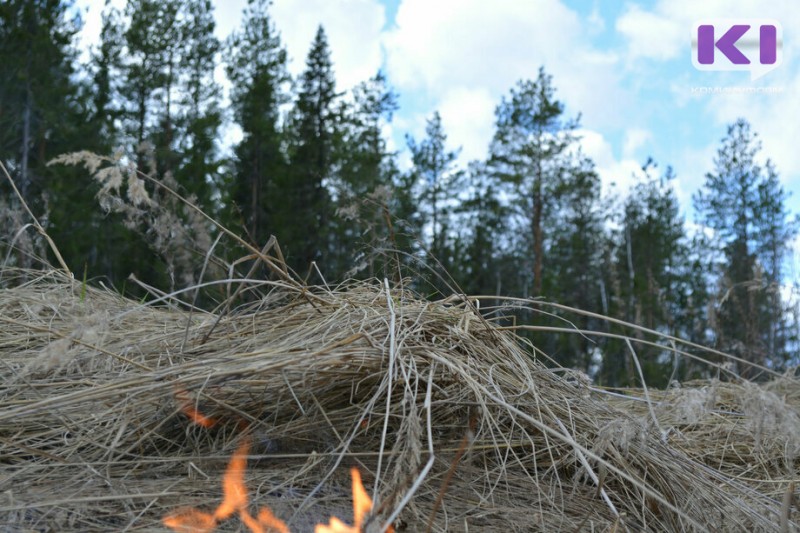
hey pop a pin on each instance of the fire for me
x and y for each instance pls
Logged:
(234, 500)
(362, 504)
(188, 408)
(235, 497)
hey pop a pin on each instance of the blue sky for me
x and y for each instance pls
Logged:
(625, 66)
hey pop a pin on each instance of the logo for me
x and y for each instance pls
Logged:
(738, 44)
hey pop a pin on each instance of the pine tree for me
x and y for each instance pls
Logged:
(105, 63)
(38, 97)
(257, 70)
(149, 70)
(154, 93)
(165, 54)
(652, 263)
(406, 221)
(88, 237)
(528, 155)
(306, 225)
(201, 116)
(743, 202)
(573, 257)
(44, 111)
(555, 225)
(363, 178)
(438, 180)
(479, 268)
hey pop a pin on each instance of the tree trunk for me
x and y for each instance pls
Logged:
(435, 206)
(536, 227)
(24, 179)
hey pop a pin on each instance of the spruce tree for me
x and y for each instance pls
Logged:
(104, 65)
(306, 228)
(555, 222)
(134, 84)
(44, 112)
(150, 61)
(87, 236)
(573, 256)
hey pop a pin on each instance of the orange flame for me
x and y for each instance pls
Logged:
(234, 499)
(362, 504)
(191, 520)
(188, 408)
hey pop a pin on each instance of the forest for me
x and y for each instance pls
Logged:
(101, 149)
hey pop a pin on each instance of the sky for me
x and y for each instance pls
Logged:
(626, 67)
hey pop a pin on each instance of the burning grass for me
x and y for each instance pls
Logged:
(121, 416)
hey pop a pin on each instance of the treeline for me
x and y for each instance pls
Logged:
(313, 169)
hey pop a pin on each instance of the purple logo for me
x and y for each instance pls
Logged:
(755, 45)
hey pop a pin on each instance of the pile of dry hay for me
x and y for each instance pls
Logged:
(429, 400)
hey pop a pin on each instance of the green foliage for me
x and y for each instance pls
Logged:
(743, 202)
(39, 107)
(652, 279)
(153, 92)
(361, 185)
(529, 155)
(148, 69)
(553, 194)
(307, 207)
(479, 264)
(171, 99)
(45, 111)
(572, 274)
(104, 64)
(437, 182)
(313, 169)
(257, 69)
(198, 172)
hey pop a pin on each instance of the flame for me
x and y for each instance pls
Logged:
(362, 504)
(235, 498)
(188, 408)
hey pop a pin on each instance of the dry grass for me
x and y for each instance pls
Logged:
(452, 423)
(417, 394)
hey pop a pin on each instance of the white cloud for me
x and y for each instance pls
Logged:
(664, 32)
(388, 132)
(457, 42)
(651, 35)
(691, 165)
(635, 139)
(465, 56)
(478, 45)
(596, 22)
(468, 120)
(769, 115)
(228, 16)
(684, 194)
